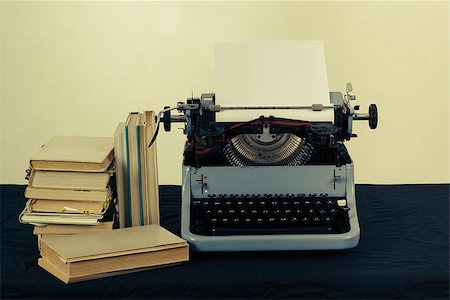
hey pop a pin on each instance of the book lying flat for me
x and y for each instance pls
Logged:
(67, 206)
(75, 153)
(55, 194)
(90, 254)
(57, 229)
(68, 219)
(69, 180)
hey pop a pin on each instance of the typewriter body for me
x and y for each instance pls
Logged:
(269, 183)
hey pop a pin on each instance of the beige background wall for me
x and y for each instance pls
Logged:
(79, 68)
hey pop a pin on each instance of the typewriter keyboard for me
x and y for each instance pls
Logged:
(267, 214)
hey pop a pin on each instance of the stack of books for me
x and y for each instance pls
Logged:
(101, 254)
(137, 173)
(71, 186)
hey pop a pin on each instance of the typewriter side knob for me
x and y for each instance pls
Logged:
(373, 116)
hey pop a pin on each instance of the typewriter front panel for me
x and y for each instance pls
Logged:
(269, 208)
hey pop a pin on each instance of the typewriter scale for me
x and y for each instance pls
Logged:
(269, 183)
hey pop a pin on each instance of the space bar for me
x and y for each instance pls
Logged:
(262, 230)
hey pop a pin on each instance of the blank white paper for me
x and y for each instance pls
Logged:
(271, 73)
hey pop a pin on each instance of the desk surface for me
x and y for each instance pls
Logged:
(403, 253)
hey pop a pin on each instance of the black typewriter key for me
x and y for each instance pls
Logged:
(236, 221)
(251, 203)
(296, 203)
(225, 221)
(240, 203)
(305, 220)
(283, 220)
(229, 203)
(330, 202)
(219, 212)
(294, 220)
(233, 195)
(285, 203)
(271, 221)
(318, 202)
(222, 196)
(307, 202)
(217, 203)
(276, 212)
(322, 212)
(259, 221)
(298, 211)
(323, 195)
(247, 221)
(301, 195)
(290, 195)
(208, 212)
(214, 221)
(316, 220)
(262, 203)
(268, 195)
(243, 211)
(231, 212)
(278, 195)
(312, 195)
(287, 211)
(206, 203)
(256, 195)
(196, 202)
(265, 212)
(274, 203)
(254, 212)
(244, 196)
(211, 196)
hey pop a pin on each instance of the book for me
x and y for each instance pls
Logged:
(60, 229)
(67, 206)
(123, 196)
(133, 168)
(150, 167)
(57, 218)
(69, 180)
(125, 249)
(75, 153)
(79, 195)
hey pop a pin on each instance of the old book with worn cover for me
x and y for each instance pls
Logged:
(100, 254)
(69, 180)
(60, 229)
(75, 153)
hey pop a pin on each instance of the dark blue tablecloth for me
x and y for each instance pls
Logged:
(403, 253)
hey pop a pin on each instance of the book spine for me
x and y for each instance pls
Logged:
(141, 210)
(128, 215)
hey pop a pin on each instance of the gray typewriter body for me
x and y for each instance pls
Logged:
(269, 183)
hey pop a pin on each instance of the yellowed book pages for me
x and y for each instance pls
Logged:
(44, 205)
(143, 170)
(56, 229)
(52, 194)
(52, 269)
(133, 167)
(69, 180)
(120, 153)
(151, 170)
(75, 153)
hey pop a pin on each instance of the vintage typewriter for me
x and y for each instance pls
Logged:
(269, 183)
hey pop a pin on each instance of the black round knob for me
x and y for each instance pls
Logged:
(166, 119)
(373, 116)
